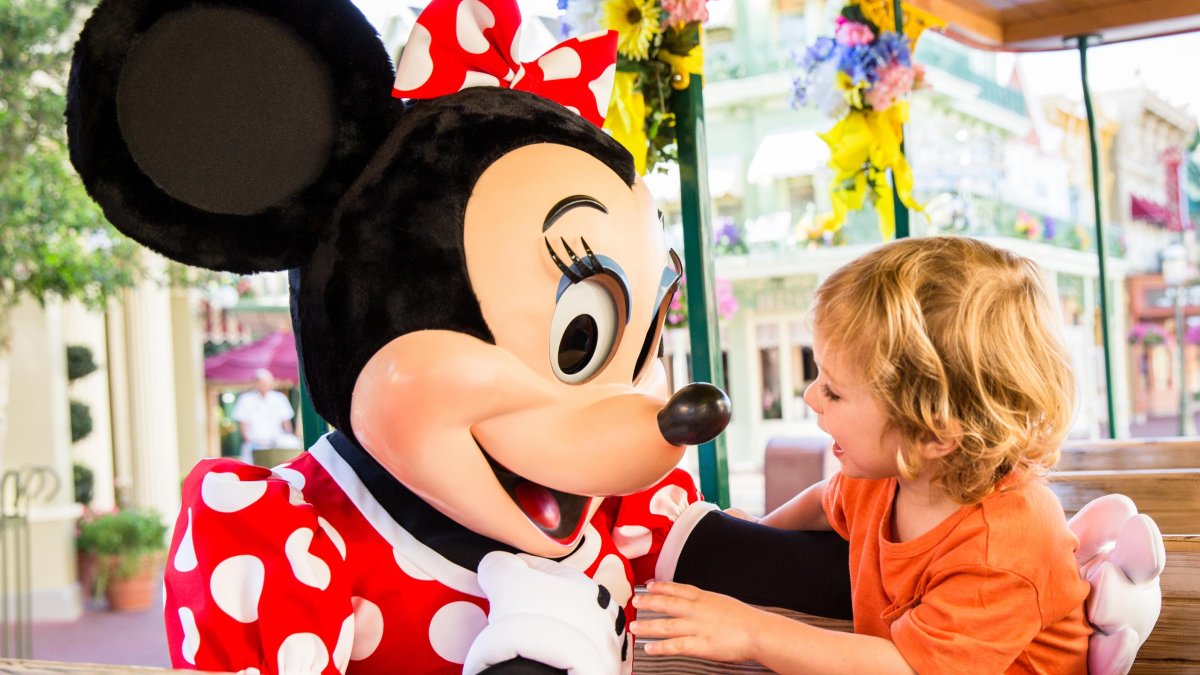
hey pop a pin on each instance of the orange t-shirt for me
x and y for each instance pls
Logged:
(994, 588)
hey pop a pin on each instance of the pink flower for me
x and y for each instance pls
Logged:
(895, 81)
(680, 12)
(852, 33)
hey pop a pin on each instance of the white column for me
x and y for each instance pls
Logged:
(86, 328)
(190, 402)
(39, 435)
(118, 387)
(154, 433)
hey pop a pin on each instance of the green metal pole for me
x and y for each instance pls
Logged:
(314, 426)
(688, 106)
(901, 210)
(1093, 142)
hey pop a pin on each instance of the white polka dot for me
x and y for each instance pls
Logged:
(368, 628)
(560, 64)
(475, 78)
(185, 555)
(226, 493)
(334, 536)
(302, 653)
(236, 585)
(587, 551)
(415, 65)
(191, 635)
(295, 497)
(602, 88)
(249, 671)
(308, 568)
(453, 628)
(572, 109)
(514, 49)
(669, 501)
(472, 19)
(409, 568)
(518, 77)
(611, 574)
(592, 36)
(345, 641)
(633, 541)
(292, 476)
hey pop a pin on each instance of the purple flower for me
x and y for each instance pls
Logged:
(1049, 227)
(819, 51)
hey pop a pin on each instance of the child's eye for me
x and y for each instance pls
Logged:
(829, 393)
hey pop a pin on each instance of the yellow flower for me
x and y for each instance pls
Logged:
(636, 23)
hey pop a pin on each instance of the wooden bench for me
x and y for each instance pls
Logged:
(1170, 496)
(1140, 453)
(1173, 646)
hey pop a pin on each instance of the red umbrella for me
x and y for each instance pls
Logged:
(276, 353)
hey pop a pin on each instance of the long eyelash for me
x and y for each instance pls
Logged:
(581, 270)
(593, 261)
(829, 393)
(567, 271)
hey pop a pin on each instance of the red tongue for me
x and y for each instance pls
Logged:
(537, 503)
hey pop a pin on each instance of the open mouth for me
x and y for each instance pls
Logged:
(559, 515)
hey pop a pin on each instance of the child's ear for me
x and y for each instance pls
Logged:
(936, 447)
(223, 135)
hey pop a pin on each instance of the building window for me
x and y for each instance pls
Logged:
(768, 364)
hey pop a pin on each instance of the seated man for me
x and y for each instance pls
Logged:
(264, 417)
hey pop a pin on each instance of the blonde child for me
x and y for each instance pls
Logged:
(947, 390)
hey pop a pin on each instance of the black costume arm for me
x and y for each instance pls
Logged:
(804, 571)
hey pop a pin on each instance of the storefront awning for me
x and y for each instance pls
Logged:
(786, 154)
(1149, 211)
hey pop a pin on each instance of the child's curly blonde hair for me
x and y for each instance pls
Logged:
(959, 341)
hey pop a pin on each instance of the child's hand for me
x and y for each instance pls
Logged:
(706, 625)
(738, 513)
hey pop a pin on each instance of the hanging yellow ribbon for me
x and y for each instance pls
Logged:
(863, 146)
(627, 118)
(879, 12)
(684, 66)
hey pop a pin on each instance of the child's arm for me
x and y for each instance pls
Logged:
(802, 512)
(717, 627)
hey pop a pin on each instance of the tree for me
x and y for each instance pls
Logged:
(54, 241)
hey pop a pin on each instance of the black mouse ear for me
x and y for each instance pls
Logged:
(223, 134)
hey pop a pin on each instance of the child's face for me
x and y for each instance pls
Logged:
(863, 440)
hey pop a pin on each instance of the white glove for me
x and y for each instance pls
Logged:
(547, 612)
(1121, 555)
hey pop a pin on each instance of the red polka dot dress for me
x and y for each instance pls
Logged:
(299, 569)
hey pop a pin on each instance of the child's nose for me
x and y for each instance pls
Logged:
(810, 397)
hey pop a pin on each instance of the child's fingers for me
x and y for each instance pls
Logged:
(673, 589)
(660, 628)
(738, 513)
(672, 646)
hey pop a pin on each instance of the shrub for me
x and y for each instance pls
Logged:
(79, 362)
(127, 542)
(85, 483)
(81, 420)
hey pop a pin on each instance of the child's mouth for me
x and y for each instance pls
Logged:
(837, 450)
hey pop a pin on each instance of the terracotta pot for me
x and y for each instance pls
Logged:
(133, 592)
(88, 565)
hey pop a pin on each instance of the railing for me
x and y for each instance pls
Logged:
(19, 488)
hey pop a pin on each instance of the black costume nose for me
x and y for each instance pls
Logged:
(694, 415)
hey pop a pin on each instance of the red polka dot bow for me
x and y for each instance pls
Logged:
(473, 43)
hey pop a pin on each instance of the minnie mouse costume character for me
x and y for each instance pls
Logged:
(479, 282)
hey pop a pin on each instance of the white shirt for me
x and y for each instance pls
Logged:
(263, 416)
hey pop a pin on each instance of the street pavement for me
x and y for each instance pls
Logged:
(138, 639)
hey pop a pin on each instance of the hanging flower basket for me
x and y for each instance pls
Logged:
(658, 50)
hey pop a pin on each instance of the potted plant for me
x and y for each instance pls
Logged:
(128, 546)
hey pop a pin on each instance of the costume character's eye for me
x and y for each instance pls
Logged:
(584, 330)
